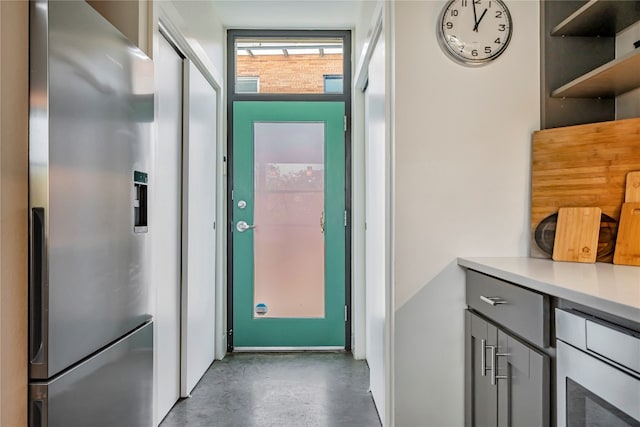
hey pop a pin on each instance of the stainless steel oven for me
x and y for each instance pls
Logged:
(598, 372)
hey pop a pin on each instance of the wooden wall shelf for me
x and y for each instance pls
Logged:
(604, 18)
(611, 79)
(581, 76)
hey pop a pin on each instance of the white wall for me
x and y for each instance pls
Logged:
(462, 164)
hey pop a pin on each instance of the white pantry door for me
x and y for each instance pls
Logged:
(199, 228)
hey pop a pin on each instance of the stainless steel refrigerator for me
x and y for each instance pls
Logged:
(90, 327)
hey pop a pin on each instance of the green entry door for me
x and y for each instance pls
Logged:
(288, 224)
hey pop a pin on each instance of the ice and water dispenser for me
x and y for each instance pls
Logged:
(140, 201)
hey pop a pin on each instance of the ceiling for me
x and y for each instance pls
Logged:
(289, 14)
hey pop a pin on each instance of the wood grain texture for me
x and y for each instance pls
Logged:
(577, 234)
(14, 36)
(632, 194)
(583, 165)
(628, 243)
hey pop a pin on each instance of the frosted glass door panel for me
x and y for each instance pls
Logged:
(289, 219)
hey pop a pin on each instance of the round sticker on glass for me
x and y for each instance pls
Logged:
(261, 309)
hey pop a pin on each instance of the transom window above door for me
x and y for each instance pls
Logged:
(289, 65)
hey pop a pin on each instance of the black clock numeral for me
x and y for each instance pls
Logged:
(474, 52)
(502, 27)
(449, 25)
(498, 14)
(464, 3)
(489, 5)
(487, 49)
(454, 12)
(497, 41)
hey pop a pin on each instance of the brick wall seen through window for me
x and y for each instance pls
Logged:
(295, 73)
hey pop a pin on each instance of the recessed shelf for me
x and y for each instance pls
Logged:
(611, 79)
(603, 18)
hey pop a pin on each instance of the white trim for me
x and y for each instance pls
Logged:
(362, 68)
(287, 349)
(389, 29)
(358, 242)
(171, 33)
(221, 230)
(184, 294)
(361, 74)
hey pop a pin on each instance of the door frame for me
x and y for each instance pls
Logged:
(232, 97)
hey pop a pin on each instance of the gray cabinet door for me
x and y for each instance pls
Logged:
(523, 384)
(481, 396)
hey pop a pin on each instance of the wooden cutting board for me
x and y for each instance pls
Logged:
(632, 193)
(577, 234)
(628, 242)
(583, 165)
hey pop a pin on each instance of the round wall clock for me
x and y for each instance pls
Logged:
(474, 32)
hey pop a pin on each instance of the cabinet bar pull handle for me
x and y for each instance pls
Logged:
(483, 358)
(493, 300)
(494, 365)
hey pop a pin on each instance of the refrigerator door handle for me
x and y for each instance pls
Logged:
(38, 413)
(36, 291)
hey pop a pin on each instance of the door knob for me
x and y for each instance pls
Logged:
(242, 226)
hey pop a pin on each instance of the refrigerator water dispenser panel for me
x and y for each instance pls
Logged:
(140, 185)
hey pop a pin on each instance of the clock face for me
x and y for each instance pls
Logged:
(474, 32)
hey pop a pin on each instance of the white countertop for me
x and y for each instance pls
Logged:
(614, 289)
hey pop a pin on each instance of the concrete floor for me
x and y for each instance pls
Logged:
(283, 390)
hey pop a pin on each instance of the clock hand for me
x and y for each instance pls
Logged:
(478, 23)
(475, 16)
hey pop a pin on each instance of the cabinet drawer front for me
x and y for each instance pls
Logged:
(524, 312)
